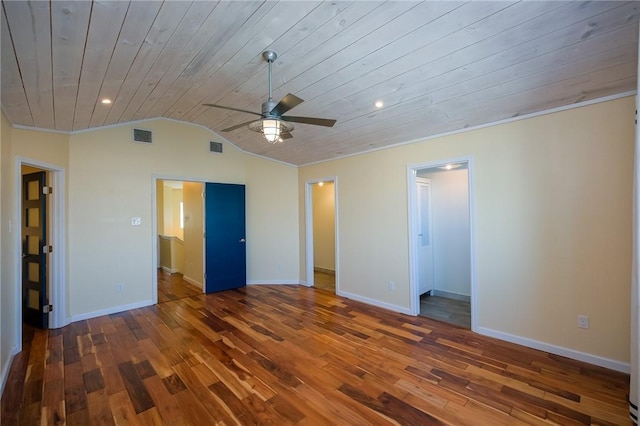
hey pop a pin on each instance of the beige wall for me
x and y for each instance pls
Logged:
(324, 241)
(193, 232)
(176, 199)
(170, 207)
(32, 147)
(160, 211)
(552, 211)
(7, 252)
(272, 222)
(111, 180)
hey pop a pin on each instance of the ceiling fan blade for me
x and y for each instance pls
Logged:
(286, 104)
(232, 109)
(237, 126)
(310, 120)
(285, 135)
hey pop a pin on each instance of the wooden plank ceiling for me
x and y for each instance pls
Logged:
(437, 66)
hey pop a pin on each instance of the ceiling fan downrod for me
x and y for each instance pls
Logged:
(269, 56)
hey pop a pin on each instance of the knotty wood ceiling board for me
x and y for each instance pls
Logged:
(438, 66)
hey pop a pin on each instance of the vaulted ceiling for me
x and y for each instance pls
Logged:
(437, 66)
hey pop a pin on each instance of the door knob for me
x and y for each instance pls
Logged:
(242, 240)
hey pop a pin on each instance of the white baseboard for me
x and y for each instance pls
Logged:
(324, 270)
(7, 368)
(449, 295)
(557, 350)
(109, 311)
(192, 281)
(374, 302)
(170, 271)
(274, 282)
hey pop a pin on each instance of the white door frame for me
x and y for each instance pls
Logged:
(412, 171)
(309, 229)
(57, 234)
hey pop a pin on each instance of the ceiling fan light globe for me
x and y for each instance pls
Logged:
(271, 130)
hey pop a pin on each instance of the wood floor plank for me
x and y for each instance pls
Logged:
(203, 395)
(54, 414)
(99, 409)
(135, 387)
(112, 380)
(122, 410)
(168, 407)
(292, 355)
(174, 287)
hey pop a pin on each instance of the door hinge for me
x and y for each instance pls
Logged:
(47, 190)
(47, 308)
(47, 249)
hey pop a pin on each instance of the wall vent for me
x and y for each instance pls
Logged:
(140, 135)
(215, 146)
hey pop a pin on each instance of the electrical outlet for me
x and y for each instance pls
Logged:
(583, 321)
(119, 288)
(392, 286)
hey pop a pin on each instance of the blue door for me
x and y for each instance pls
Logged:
(225, 248)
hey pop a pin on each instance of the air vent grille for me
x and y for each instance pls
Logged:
(140, 135)
(215, 146)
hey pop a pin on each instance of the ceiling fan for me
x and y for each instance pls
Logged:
(272, 124)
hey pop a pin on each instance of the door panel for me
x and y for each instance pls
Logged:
(34, 258)
(425, 253)
(225, 248)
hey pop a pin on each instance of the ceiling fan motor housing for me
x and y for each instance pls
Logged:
(267, 107)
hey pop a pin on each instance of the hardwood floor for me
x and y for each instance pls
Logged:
(456, 312)
(295, 355)
(324, 281)
(173, 287)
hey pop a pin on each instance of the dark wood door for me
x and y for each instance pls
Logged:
(34, 246)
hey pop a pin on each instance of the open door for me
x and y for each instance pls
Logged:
(35, 304)
(225, 247)
(425, 252)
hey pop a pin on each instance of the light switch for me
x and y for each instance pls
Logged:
(135, 221)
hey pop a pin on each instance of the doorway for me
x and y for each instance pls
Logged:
(53, 247)
(192, 229)
(440, 242)
(322, 235)
(180, 228)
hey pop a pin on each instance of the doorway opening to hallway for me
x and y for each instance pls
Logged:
(321, 234)
(440, 236)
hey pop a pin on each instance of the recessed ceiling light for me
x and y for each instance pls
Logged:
(320, 183)
(378, 104)
(106, 101)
